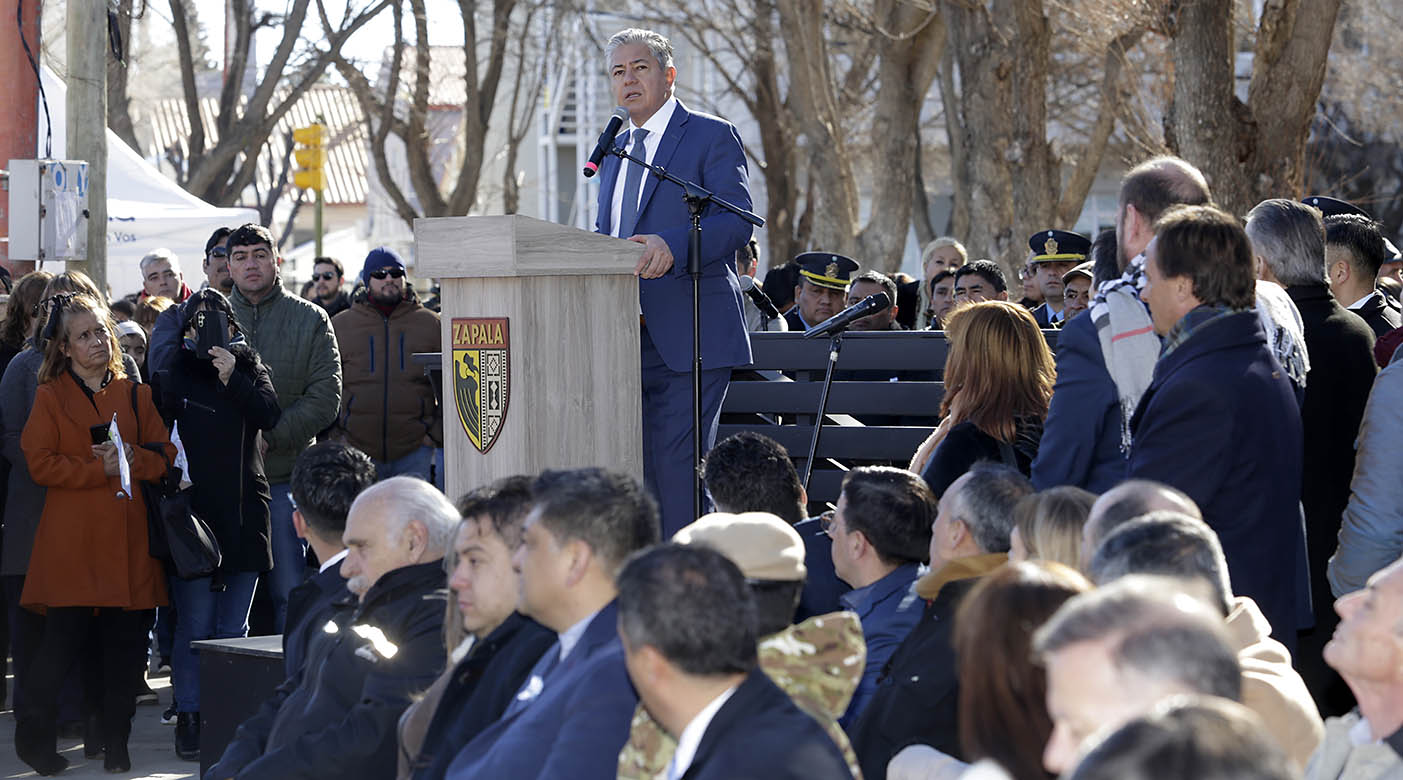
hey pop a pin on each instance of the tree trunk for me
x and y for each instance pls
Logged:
(119, 118)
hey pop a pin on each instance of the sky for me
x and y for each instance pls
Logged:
(368, 44)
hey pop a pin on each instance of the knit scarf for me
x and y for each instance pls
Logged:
(1128, 341)
(1193, 321)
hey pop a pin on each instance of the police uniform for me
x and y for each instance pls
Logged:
(823, 269)
(1056, 246)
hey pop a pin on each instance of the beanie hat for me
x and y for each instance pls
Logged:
(380, 257)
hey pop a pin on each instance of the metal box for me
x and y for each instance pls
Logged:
(48, 210)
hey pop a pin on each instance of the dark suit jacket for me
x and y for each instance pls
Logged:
(1081, 438)
(1380, 313)
(917, 695)
(308, 607)
(1342, 368)
(1042, 314)
(1220, 422)
(574, 728)
(704, 150)
(758, 734)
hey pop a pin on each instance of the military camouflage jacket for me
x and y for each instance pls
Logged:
(817, 662)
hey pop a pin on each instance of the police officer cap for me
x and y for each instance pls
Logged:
(826, 269)
(1329, 207)
(1055, 246)
(760, 544)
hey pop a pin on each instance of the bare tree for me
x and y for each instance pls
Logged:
(119, 118)
(220, 172)
(1253, 150)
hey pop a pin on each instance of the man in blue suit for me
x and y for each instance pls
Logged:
(707, 151)
(571, 717)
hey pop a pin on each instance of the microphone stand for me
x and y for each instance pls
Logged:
(835, 344)
(696, 197)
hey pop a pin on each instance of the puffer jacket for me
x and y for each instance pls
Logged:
(818, 662)
(389, 406)
(294, 338)
(339, 720)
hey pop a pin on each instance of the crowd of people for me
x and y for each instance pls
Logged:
(1171, 549)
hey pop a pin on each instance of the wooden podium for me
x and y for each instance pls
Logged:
(540, 347)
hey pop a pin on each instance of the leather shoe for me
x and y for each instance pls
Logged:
(187, 735)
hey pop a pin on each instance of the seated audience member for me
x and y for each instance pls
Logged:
(942, 299)
(938, 258)
(1055, 252)
(1076, 287)
(1173, 545)
(326, 478)
(688, 625)
(881, 537)
(1115, 652)
(372, 657)
(1048, 526)
(871, 283)
(819, 291)
(1366, 650)
(750, 472)
(1371, 530)
(998, 381)
(1032, 292)
(817, 662)
(1354, 251)
(492, 646)
(1125, 502)
(1220, 420)
(916, 694)
(572, 715)
(1188, 736)
(981, 280)
(1003, 706)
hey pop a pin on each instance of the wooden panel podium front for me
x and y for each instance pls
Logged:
(540, 347)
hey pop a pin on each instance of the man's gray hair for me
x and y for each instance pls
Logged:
(1154, 629)
(160, 254)
(1169, 544)
(410, 499)
(1131, 499)
(1291, 237)
(657, 43)
(985, 502)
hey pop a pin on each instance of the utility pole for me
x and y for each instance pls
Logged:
(19, 124)
(87, 123)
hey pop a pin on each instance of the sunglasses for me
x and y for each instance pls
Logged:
(219, 251)
(326, 277)
(384, 272)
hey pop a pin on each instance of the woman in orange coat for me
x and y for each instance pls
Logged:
(91, 570)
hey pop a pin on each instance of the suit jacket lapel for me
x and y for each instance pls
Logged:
(735, 708)
(608, 172)
(672, 138)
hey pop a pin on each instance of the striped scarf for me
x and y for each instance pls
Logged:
(1128, 341)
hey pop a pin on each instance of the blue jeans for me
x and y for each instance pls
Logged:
(203, 614)
(289, 553)
(415, 464)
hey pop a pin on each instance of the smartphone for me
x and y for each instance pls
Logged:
(211, 330)
(99, 433)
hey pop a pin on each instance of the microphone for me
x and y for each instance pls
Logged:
(840, 321)
(758, 297)
(606, 140)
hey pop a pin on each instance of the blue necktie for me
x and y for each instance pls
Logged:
(628, 212)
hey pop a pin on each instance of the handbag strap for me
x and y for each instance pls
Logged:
(156, 448)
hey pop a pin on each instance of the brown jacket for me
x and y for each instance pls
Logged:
(388, 406)
(91, 548)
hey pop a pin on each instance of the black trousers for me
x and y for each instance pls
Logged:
(26, 632)
(115, 640)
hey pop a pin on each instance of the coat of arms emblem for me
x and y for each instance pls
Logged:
(482, 377)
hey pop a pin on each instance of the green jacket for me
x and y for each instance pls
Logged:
(295, 341)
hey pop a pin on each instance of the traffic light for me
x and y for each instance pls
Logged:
(311, 157)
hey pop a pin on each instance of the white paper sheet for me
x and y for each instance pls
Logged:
(123, 469)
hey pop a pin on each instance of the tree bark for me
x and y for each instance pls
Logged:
(119, 118)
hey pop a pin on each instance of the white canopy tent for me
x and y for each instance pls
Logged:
(145, 210)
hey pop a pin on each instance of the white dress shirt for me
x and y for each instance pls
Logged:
(1359, 304)
(656, 126)
(571, 636)
(691, 737)
(334, 560)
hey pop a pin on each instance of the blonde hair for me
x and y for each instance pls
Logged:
(941, 243)
(1050, 523)
(149, 308)
(999, 368)
(55, 361)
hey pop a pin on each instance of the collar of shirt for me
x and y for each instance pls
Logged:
(1055, 316)
(897, 581)
(571, 636)
(656, 126)
(1359, 304)
(690, 738)
(334, 560)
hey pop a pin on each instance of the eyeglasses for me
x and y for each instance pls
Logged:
(828, 521)
(397, 273)
(329, 275)
(219, 251)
